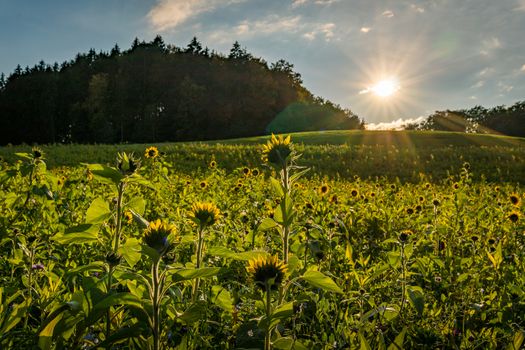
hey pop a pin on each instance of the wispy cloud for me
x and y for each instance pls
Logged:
(520, 6)
(399, 124)
(490, 45)
(388, 14)
(168, 14)
(523, 68)
(247, 29)
(479, 84)
(326, 30)
(365, 29)
(416, 8)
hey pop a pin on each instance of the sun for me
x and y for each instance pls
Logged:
(385, 88)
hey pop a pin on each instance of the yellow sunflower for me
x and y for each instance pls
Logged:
(277, 150)
(151, 152)
(205, 214)
(267, 271)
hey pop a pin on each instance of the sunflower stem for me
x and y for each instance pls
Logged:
(200, 244)
(156, 304)
(267, 342)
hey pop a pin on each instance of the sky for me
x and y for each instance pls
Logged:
(431, 54)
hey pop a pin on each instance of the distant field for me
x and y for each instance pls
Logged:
(392, 154)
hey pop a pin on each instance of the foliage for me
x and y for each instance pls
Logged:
(370, 264)
(155, 92)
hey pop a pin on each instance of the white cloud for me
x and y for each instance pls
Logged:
(388, 14)
(417, 8)
(523, 68)
(365, 29)
(247, 29)
(325, 2)
(393, 125)
(473, 97)
(504, 87)
(168, 14)
(479, 84)
(298, 3)
(490, 45)
(326, 30)
(521, 6)
(486, 71)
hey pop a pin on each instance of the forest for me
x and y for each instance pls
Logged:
(496, 120)
(155, 92)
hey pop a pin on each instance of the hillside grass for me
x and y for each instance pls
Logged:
(404, 155)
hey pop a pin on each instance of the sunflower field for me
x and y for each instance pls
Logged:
(137, 254)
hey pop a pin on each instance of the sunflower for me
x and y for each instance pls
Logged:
(410, 211)
(324, 189)
(354, 193)
(203, 184)
(127, 164)
(246, 171)
(37, 153)
(129, 217)
(435, 202)
(405, 235)
(151, 152)
(277, 150)
(267, 272)
(515, 199)
(205, 214)
(213, 164)
(255, 172)
(157, 235)
(455, 185)
(514, 216)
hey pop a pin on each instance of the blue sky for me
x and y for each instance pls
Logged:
(443, 53)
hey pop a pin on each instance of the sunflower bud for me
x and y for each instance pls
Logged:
(205, 214)
(277, 150)
(127, 164)
(113, 259)
(157, 234)
(267, 272)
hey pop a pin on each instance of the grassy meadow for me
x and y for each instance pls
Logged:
(337, 240)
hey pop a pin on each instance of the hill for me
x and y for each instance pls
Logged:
(155, 92)
(405, 155)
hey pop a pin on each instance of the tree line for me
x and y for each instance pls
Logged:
(155, 92)
(498, 120)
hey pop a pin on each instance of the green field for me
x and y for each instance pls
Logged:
(368, 154)
(391, 240)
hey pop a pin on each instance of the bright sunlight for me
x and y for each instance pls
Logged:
(385, 88)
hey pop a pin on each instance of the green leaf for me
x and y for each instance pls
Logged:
(45, 337)
(137, 204)
(131, 251)
(139, 180)
(267, 224)
(188, 274)
(398, 342)
(224, 252)
(416, 298)
(133, 331)
(139, 220)
(19, 312)
(194, 313)
(105, 174)
(112, 300)
(519, 337)
(364, 345)
(284, 213)
(98, 211)
(277, 187)
(319, 280)
(85, 233)
(284, 343)
(222, 298)
(97, 265)
(296, 176)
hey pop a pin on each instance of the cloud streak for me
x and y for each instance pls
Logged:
(168, 14)
(398, 124)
